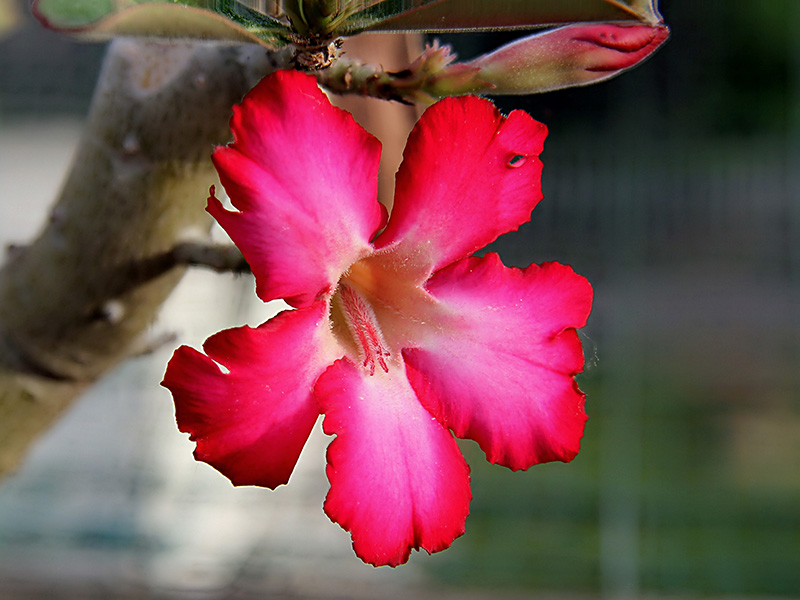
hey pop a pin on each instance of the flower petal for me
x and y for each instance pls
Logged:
(500, 368)
(398, 480)
(303, 176)
(468, 175)
(251, 418)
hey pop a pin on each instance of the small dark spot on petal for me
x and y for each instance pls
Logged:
(517, 160)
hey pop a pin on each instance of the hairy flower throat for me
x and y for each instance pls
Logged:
(364, 326)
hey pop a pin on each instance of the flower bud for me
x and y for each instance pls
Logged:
(567, 56)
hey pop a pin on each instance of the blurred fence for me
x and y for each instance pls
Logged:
(670, 203)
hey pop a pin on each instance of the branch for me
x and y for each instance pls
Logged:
(220, 257)
(223, 258)
(137, 186)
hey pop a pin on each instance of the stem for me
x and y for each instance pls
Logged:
(347, 76)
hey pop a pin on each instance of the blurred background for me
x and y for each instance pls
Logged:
(674, 188)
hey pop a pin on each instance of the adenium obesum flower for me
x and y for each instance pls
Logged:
(397, 334)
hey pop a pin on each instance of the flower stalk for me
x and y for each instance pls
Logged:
(556, 59)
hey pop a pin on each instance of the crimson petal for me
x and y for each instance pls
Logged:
(252, 417)
(500, 367)
(303, 176)
(398, 480)
(468, 175)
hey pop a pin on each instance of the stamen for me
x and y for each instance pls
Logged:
(364, 325)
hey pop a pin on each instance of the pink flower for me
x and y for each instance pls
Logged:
(397, 334)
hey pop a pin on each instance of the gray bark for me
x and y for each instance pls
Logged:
(74, 302)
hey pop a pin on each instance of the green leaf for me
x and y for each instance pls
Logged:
(272, 22)
(194, 19)
(460, 15)
(346, 17)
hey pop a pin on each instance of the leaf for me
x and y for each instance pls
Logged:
(194, 19)
(460, 15)
(271, 22)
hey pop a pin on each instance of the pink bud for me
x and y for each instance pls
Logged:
(568, 56)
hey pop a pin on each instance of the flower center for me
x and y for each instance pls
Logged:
(364, 326)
